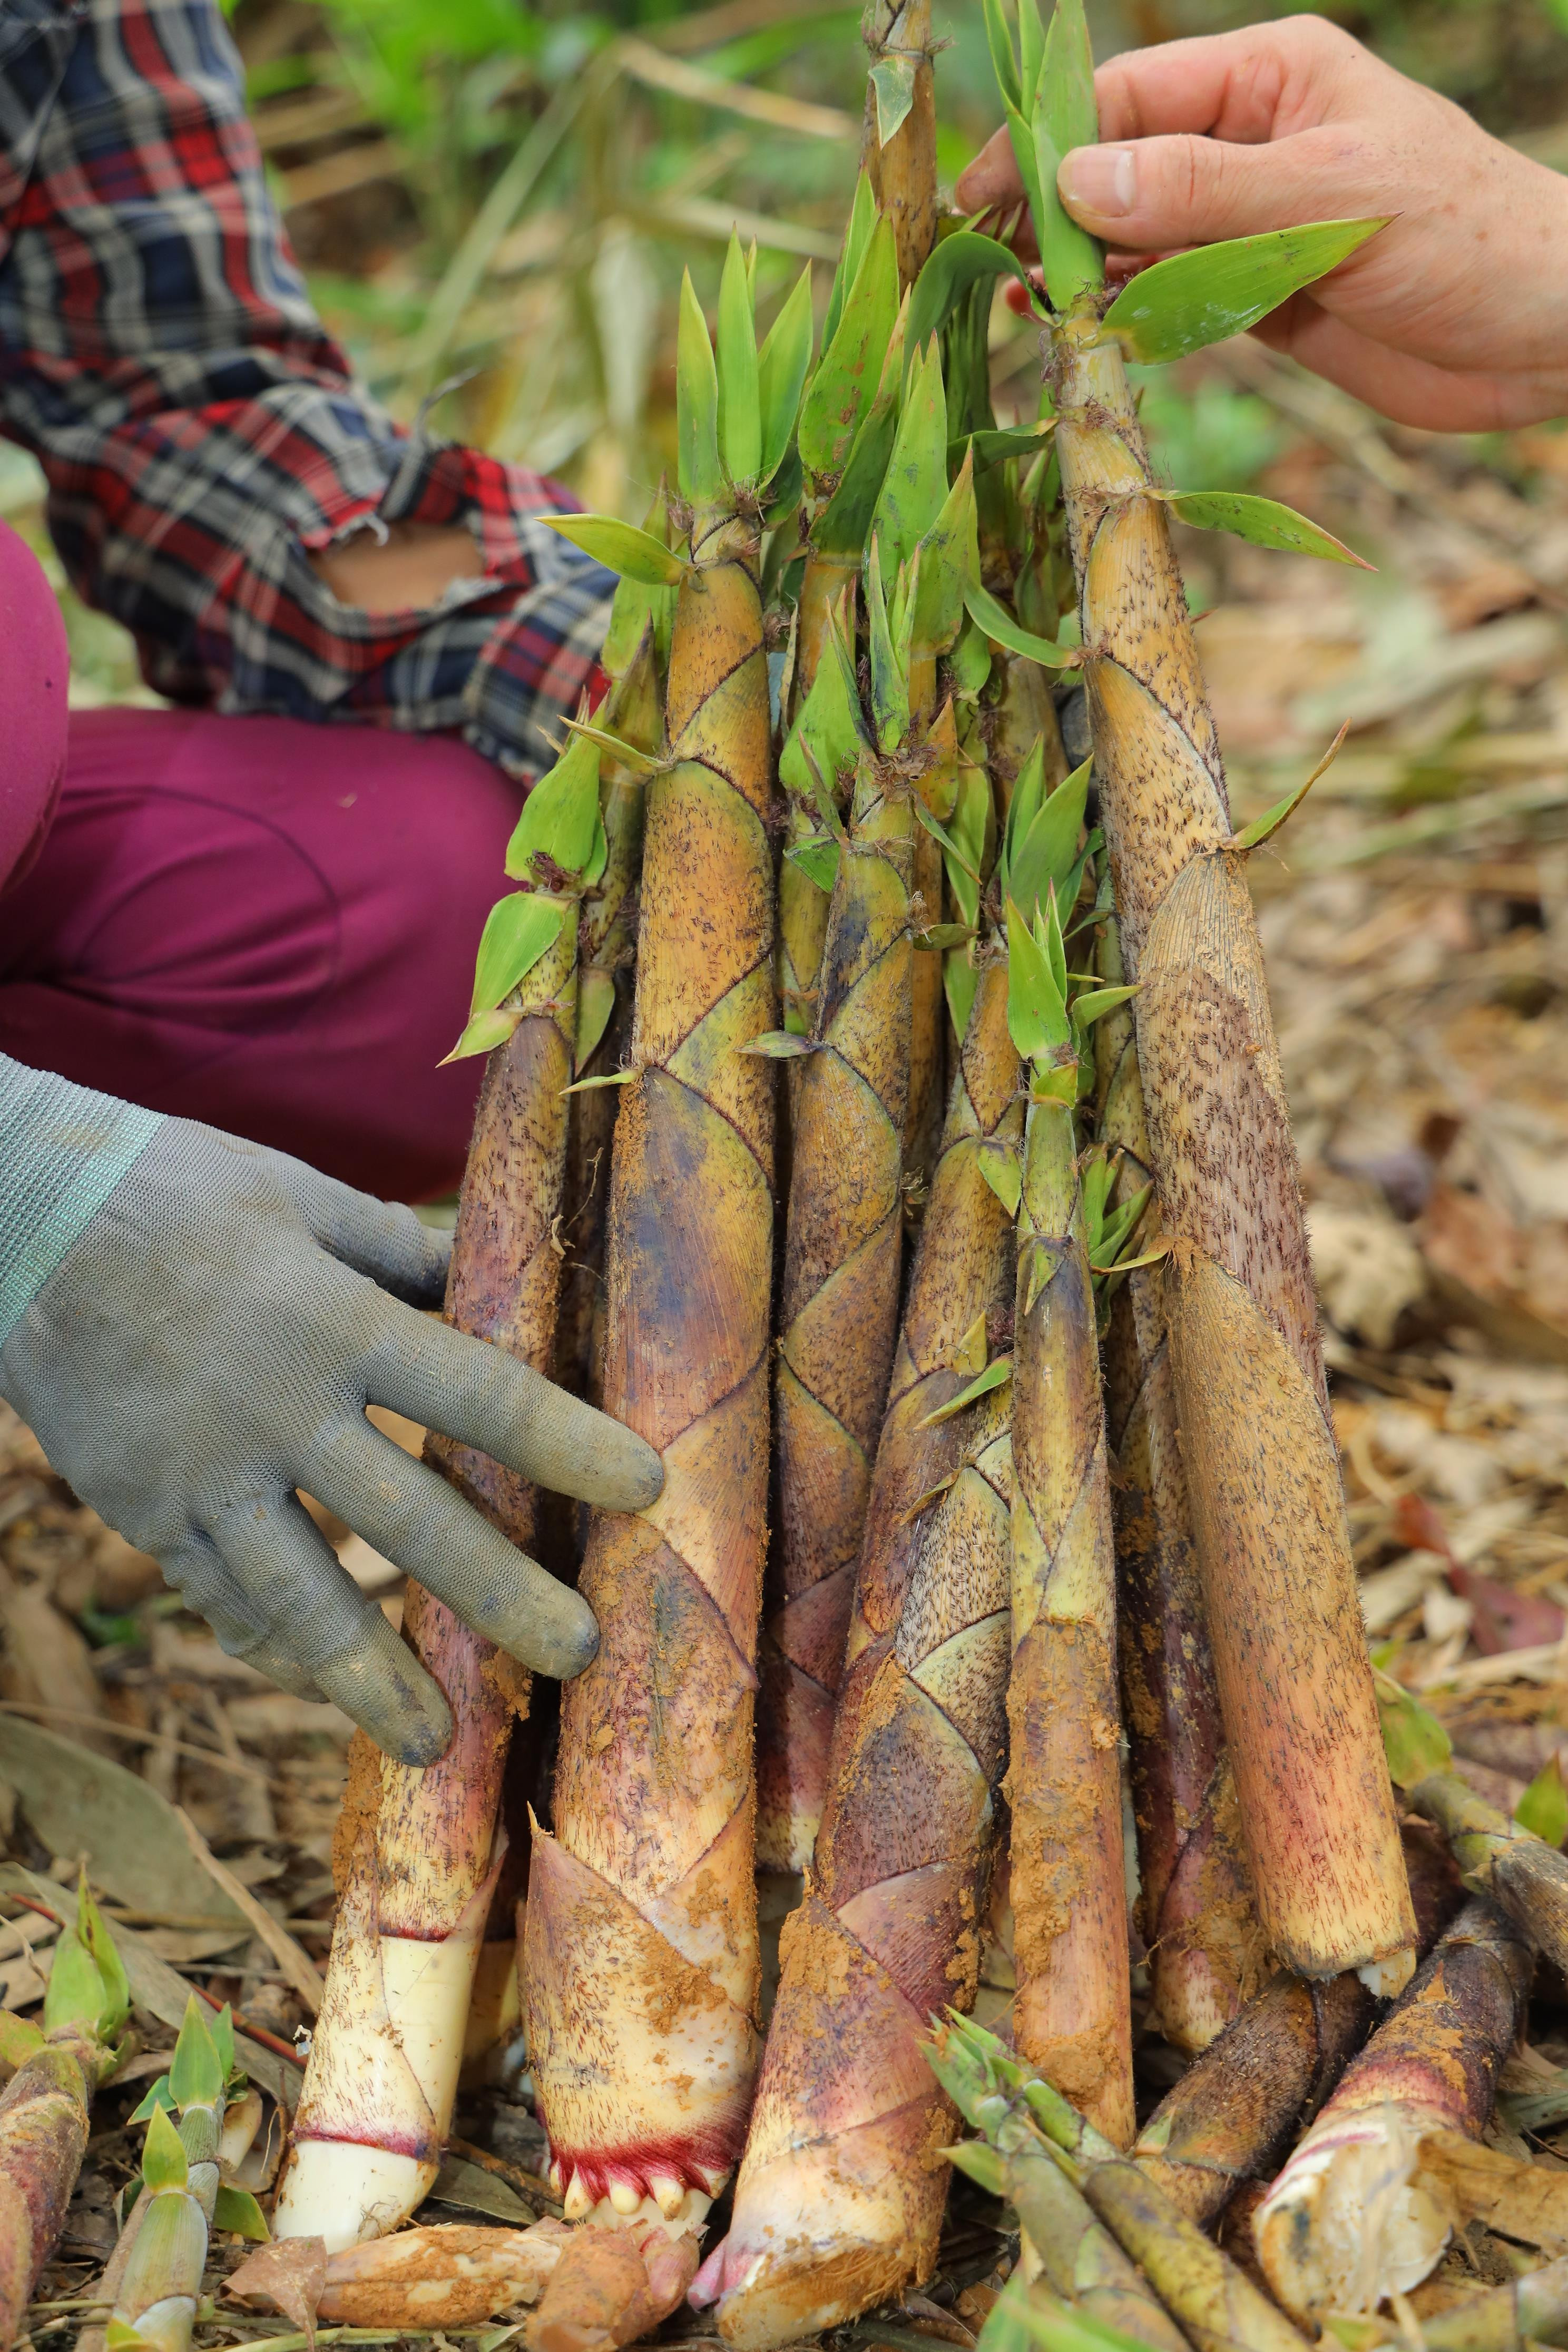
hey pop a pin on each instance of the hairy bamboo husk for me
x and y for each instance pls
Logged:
(1349, 2220)
(1246, 1354)
(839, 1304)
(1196, 1914)
(641, 1943)
(1072, 2013)
(1216, 2306)
(376, 2106)
(1237, 2111)
(903, 173)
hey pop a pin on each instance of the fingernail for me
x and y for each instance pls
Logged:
(1099, 180)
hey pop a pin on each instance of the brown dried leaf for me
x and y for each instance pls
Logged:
(1520, 2199)
(291, 2273)
(448, 2275)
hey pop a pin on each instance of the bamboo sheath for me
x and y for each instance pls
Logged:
(641, 1958)
(416, 1846)
(840, 2195)
(45, 2110)
(1350, 2220)
(840, 1306)
(1196, 1914)
(903, 174)
(1246, 1355)
(1072, 2013)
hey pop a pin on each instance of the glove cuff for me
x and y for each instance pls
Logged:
(63, 1149)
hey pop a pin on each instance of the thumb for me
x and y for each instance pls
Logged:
(1154, 194)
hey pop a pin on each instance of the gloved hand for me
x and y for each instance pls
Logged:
(193, 1325)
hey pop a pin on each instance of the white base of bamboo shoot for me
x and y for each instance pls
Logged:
(347, 2195)
(1349, 2220)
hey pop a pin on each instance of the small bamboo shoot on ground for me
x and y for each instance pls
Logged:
(1245, 1353)
(642, 1967)
(1349, 2220)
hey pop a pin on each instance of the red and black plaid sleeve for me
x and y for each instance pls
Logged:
(202, 433)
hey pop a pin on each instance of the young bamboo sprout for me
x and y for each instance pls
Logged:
(1216, 2305)
(46, 2105)
(1196, 1914)
(1229, 2122)
(1245, 1354)
(1072, 2015)
(1350, 2219)
(418, 1846)
(160, 2288)
(642, 1960)
(844, 1242)
(1496, 1855)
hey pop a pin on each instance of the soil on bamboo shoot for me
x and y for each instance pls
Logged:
(641, 1961)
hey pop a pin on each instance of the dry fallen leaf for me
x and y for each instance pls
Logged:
(448, 2275)
(291, 2273)
(1520, 2199)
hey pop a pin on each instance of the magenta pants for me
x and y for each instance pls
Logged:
(256, 922)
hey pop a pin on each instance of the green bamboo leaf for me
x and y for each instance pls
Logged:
(1096, 1002)
(18, 2040)
(996, 1376)
(236, 2209)
(893, 83)
(1262, 522)
(952, 851)
(1003, 63)
(484, 1033)
(782, 365)
(119, 2337)
(950, 563)
(94, 1929)
(1036, 1010)
(628, 755)
(1031, 53)
(1063, 118)
(956, 263)
(696, 405)
(518, 931)
(817, 860)
(596, 1003)
(1413, 1741)
(1130, 1264)
(1200, 297)
(637, 605)
(1004, 2328)
(889, 678)
(610, 1079)
(740, 407)
(560, 819)
(825, 741)
(196, 2071)
(621, 547)
(1270, 822)
(1023, 143)
(856, 237)
(914, 489)
(844, 525)
(1001, 1167)
(1028, 798)
(969, 664)
(222, 2029)
(995, 446)
(1045, 857)
(1048, 930)
(847, 374)
(1544, 1808)
(937, 937)
(971, 2157)
(968, 826)
(75, 1995)
(1004, 630)
(164, 2161)
(779, 1045)
(160, 2096)
(1062, 2327)
(960, 981)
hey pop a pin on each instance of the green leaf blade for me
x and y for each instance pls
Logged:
(782, 365)
(518, 931)
(1216, 290)
(1262, 522)
(621, 547)
(700, 474)
(740, 407)
(1003, 630)
(560, 818)
(850, 368)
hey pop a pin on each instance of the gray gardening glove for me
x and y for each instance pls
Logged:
(194, 1327)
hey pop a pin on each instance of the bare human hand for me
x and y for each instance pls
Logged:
(1455, 318)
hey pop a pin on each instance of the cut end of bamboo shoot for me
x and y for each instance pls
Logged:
(1348, 2222)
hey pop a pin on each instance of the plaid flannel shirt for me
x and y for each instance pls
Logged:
(201, 431)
